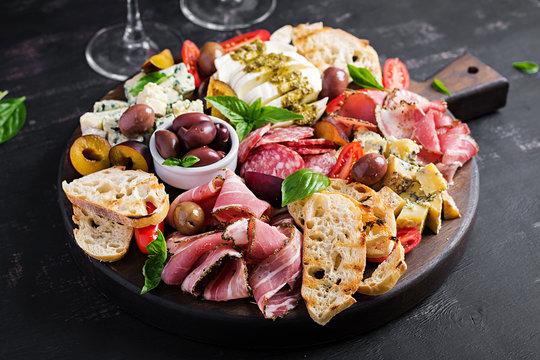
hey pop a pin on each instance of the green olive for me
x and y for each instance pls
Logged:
(189, 218)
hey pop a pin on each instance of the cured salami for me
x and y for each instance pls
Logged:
(303, 142)
(292, 133)
(323, 163)
(273, 159)
(251, 141)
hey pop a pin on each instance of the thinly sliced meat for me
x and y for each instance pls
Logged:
(443, 121)
(448, 170)
(212, 260)
(323, 163)
(284, 218)
(318, 142)
(204, 195)
(311, 149)
(425, 132)
(293, 133)
(457, 128)
(186, 254)
(359, 106)
(275, 273)
(282, 302)
(237, 233)
(397, 96)
(264, 240)
(354, 123)
(236, 201)
(250, 141)
(438, 105)
(457, 149)
(425, 157)
(377, 95)
(231, 282)
(399, 121)
(273, 159)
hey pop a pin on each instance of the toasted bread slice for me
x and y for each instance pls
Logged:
(334, 254)
(120, 195)
(99, 237)
(302, 30)
(326, 47)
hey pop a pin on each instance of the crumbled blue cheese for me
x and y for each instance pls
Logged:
(130, 84)
(154, 96)
(106, 105)
(186, 106)
(180, 79)
(165, 121)
(90, 121)
(371, 142)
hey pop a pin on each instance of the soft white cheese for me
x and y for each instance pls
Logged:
(106, 105)
(154, 96)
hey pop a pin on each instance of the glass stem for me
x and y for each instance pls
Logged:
(134, 32)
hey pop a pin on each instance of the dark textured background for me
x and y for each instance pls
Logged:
(488, 308)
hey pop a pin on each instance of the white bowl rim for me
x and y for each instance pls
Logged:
(235, 141)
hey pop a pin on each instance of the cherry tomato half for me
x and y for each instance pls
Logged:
(381, 259)
(241, 40)
(190, 56)
(409, 238)
(395, 75)
(147, 234)
(347, 157)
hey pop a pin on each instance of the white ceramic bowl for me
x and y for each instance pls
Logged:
(190, 177)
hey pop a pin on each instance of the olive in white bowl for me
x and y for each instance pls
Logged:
(189, 177)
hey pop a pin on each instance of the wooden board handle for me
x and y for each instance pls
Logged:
(476, 88)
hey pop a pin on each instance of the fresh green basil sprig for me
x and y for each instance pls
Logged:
(439, 86)
(528, 67)
(188, 161)
(153, 267)
(12, 116)
(246, 118)
(364, 78)
(155, 77)
(301, 184)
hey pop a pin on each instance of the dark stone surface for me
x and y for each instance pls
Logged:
(488, 308)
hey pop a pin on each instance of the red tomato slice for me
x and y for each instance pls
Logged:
(190, 55)
(395, 75)
(146, 235)
(241, 40)
(381, 259)
(347, 157)
(409, 238)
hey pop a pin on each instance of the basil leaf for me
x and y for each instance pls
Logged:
(243, 129)
(231, 107)
(301, 184)
(2, 94)
(528, 67)
(271, 114)
(12, 117)
(154, 77)
(364, 78)
(190, 160)
(172, 161)
(439, 86)
(153, 267)
(255, 109)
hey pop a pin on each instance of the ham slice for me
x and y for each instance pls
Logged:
(399, 121)
(250, 141)
(209, 261)
(457, 149)
(204, 195)
(272, 276)
(230, 283)
(443, 121)
(377, 95)
(398, 96)
(457, 128)
(236, 201)
(425, 157)
(425, 133)
(186, 253)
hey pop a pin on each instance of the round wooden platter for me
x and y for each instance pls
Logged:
(240, 321)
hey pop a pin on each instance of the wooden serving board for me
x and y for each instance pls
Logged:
(240, 321)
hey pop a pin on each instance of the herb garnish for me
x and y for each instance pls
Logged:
(12, 116)
(153, 267)
(439, 86)
(185, 162)
(528, 67)
(301, 184)
(155, 77)
(246, 118)
(364, 78)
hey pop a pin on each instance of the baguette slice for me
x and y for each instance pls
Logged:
(100, 237)
(120, 195)
(334, 254)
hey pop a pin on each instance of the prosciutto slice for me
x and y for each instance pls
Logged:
(230, 283)
(457, 149)
(186, 253)
(377, 95)
(271, 277)
(359, 106)
(398, 96)
(209, 262)
(204, 195)
(399, 121)
(236, 201)
(425, 133)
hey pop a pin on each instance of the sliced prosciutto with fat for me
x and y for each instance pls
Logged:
(398, 96)
(400, 121)
(425, 133)
(230, 283)
(457, 149)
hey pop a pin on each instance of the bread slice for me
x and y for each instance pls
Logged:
(100, 237)
(120, 195)
(326, 47)
(334, 254)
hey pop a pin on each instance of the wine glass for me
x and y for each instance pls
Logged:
(118, 51)
(227, 14)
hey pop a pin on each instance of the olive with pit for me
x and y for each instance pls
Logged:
(221, 142)
(187, 120)
(209, 53)
(206, 156)
(334, 81)
(369, 169)
(167, 143)
(189, 218)
(136, 120)
(200, 134)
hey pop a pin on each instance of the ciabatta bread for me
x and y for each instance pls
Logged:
(334, 254)
(120, 195)
(100, 237)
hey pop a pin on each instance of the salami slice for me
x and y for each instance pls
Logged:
(322, 163)
(311, 149)
(302, 142)
(251, 141)
(292, 133)
(273, 159)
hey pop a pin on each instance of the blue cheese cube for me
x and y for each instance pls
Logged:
(179, 79)
(186, 106)
(116, 138)
(371, 142)
(165, 121)
(154, 96)
(106, 105)
(404, 149)
(90, 121)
